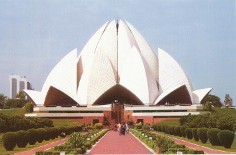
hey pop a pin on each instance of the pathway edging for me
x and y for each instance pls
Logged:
(143, 143)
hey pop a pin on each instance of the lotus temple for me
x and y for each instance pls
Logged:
(119, 77)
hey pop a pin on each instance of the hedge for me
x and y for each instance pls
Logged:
(9, 140)
(195, 135)
(213, 138)
(226, 138)
(177, 131)
(188, 133)
(33, 136)
(182, 130)
(22, 138)
(202, 134)
(42, 133)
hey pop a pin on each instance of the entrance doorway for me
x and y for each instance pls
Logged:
(117, 112)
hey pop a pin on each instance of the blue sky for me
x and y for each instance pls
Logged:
(199, 34)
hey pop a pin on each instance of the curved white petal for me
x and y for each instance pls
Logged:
(199, 94)
(171, 75)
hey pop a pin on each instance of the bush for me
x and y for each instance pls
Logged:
(213, 138)
(138, 125)
(226, 138)
(182, 130)
(9, 140)
(188, 133)
(195, 135)
(33, 136)
(98, 126)
(42, 133)
(202, 134)
(22, 138)
(29, 107)
(177, 131)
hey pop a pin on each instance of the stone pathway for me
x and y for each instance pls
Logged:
(113, 143)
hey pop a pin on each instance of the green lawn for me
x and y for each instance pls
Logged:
(208, 144)
(28, 147)
(64, 122)
(170, 121)
(13, 111)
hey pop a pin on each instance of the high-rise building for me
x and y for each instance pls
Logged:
(17, 84)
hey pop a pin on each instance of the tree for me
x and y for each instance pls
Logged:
(228, 101)
(215, 100)
(21, 95)
(2, 100)
(29, 107)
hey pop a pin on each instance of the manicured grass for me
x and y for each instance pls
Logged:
(13, 111)
(208, 144)
(170, 121)
(64, 122)
(28, 147)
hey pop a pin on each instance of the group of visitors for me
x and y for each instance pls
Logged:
(122, 128)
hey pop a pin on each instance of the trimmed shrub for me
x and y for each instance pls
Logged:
(182, 130)
(177, 131)
(226, 138)
(138, 125)
(202, 134)
(195, 135)
(188, 133)
(9, 140)
(98, 126)
(33, 136)
(213, 138)
(22, 138)
(41, 135)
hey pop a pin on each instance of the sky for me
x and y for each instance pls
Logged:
(199, 34)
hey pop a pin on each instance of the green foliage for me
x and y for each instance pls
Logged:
(177, 131)
(2, 100)
(195, 135)
(138, 125)
(188, 132)
(3, 125)
(98, 126)
(9, 140)
(182, 130)
(226, 138)
(22, 138)
(14, 103)
(28, 107)
(42, 133)
(224, 119)
(202, 134)
(215, 100)
(213, 138)
(76, 140)
(33, 136)
(207, 106)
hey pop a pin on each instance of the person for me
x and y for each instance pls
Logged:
(123, 128)
(119, 128)
(127, 127)
(115, 127)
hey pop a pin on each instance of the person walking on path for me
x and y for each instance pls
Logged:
(127, 127)
(119, 128)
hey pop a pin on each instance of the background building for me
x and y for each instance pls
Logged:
(17, 84)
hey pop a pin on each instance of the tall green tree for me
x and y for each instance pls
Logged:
(213, 99)
(2, 100)
(21, 95)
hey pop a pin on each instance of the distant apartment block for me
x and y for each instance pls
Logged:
(17, 84)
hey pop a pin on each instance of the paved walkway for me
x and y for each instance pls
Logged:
(113, 143)
(198, 147)
(42, 148)
(206, 150)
